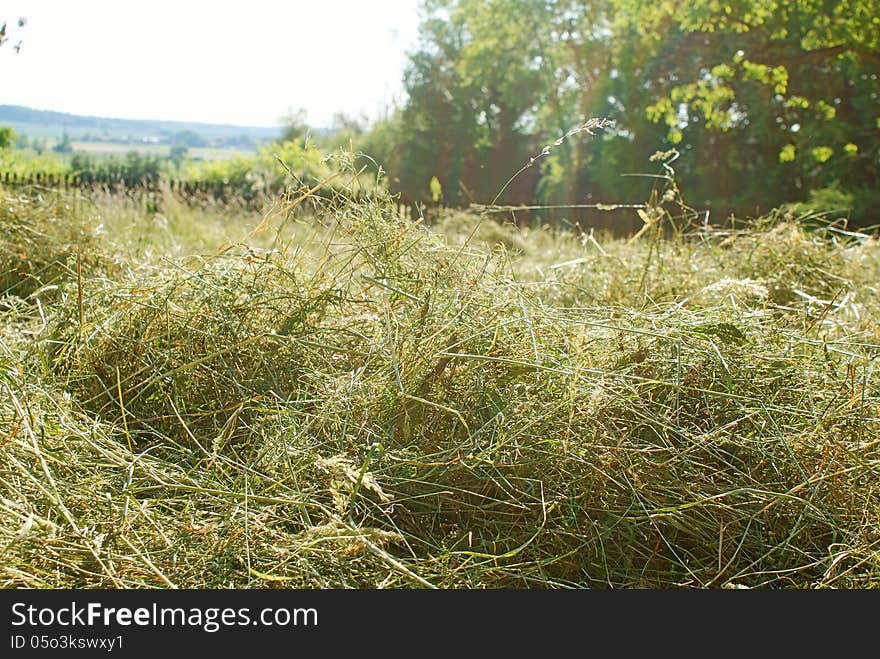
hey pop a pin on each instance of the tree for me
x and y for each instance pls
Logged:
(7, 137)
(295, 126)
(188, 138)
(343, 131)
(64, 145)
(474, 90)
(765, 100)
(495, 81)
(178, 154)
(782, 95)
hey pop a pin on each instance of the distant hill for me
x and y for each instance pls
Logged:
(52, 125)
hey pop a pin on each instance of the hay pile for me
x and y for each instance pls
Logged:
(375, 404)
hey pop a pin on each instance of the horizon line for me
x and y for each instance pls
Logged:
(278, 126)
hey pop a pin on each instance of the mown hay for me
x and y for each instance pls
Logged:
(376, 406)
(44, 239)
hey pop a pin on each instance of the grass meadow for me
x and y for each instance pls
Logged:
(327, 394)
(120, 149)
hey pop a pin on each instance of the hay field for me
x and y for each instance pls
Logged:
(334, 396)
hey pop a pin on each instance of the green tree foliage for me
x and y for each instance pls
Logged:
(132, 169)
(497, 80)
(779, 97)
(295, 125)
(289, 164)
(7, 137)
(766, 100)
(178, 154)
(473, 90)
(188, 138)
(64, 145)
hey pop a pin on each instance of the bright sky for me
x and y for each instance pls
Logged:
(245, 63)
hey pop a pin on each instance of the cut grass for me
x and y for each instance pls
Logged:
(359, 401)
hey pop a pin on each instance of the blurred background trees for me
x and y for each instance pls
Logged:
(768, 102)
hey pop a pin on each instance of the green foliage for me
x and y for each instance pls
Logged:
(474, 92)
(436, 190)
(296, 128)
(764, 100)
(749, 92)
(794, 83)
(822, 153)
(133, 168)
(295, 165)
(178, 154)
(7, 137)
(787, 153)
(27, 162)
(307, 162)
(831, 202)
(553, 186)
(344, 132)
(64, 145)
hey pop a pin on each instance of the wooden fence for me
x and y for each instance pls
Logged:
(150, 189)
(118, 181)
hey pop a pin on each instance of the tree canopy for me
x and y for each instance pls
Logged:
(766, 100)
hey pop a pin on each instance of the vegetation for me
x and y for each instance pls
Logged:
(330, 392)
(243, 177)
(766, 101)
(7, 137)
(335, 396)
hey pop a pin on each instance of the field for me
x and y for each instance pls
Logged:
(157, 150)
(117, 137)
(326, 394)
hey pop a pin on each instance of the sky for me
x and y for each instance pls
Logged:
(246, 63)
